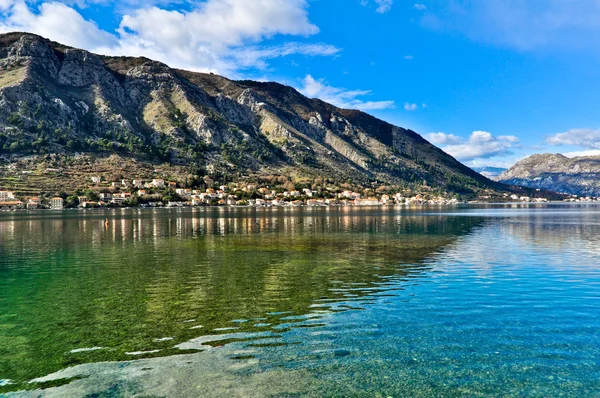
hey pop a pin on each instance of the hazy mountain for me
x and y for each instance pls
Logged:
(579, 176)
(61, 100)
(489, 171)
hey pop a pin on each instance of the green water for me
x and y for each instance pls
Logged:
(346, 301)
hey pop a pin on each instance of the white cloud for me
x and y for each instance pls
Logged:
(591, 152)
(413, 107)
(587, 138)
(523, 24)
(56, 21)
(479, 145)
(420, 7)
(409, 57)
(383, 6)
(340, 97)
(443, 139)
(223, 36)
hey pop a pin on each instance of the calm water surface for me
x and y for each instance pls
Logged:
(457, 301)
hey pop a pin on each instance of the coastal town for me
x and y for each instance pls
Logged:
(160, 192)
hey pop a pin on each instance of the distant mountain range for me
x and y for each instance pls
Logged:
(558, 173)
(490, 172)
(58, 100)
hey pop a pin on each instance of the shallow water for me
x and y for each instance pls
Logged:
(459, 301)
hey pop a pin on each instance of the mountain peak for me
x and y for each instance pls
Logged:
(62, 100)
(556, 172)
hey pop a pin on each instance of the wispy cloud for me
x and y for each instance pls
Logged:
(340, 97)
(381, 6)
(576, 154)
(413, 107)
(523, 24)
(420, 7)
(384, 6)
(586, 138)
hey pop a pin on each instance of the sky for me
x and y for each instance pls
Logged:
(490, 82)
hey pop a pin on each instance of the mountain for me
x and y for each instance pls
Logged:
(68, 112)
(489, 171)
(558, 173)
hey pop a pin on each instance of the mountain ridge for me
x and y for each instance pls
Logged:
(61, 100)
(558, 173)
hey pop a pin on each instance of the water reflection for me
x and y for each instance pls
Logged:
(481, 301)
(153, 279)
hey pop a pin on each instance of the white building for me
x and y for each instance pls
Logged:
(6, 196)
(57, 203)
(158, 182)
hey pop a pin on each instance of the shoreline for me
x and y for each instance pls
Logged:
(329, 206)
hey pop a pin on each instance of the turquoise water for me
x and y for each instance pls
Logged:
(464, 301)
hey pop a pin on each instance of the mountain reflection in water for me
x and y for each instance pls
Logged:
(271, 302)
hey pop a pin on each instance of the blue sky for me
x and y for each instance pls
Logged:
(488, 81)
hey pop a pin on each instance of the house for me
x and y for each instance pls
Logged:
(6, 196)
(57, 203)
(158, 182)
(172, 185)
(105, 197)
(33, 204)
(89, 204)
(278, 202)
(366, 202)
(349, 195)
(399, 198)
(308, 192)
(96, 180)
(223, 188)
(184, 193)
(141, 192)
(82, 200)
(137, 183)
(120, 198)
(231, 201)
(197, 201)
(11, 205)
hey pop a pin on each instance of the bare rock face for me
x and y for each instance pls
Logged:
(555, 172)
(56, 99)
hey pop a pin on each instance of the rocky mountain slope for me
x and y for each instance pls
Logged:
(60, 100)
(578, 176)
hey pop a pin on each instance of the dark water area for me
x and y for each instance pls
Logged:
(388, 301)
